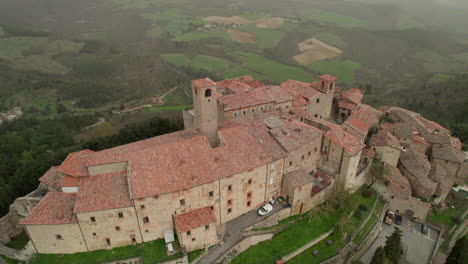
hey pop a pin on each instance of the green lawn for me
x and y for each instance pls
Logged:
(330, 39)
(192, 255)
(19, 241)
(372, 220)
(240, 71)
(265, 37)
(342, 70)
(272, 70)
(208, 63)
(341, 20)
(151, 252)
(154, 32)
(440, 77)
(325, 251)
(304, 231)
(10, 260)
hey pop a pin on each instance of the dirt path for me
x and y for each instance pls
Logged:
(100, 121)
(168, 92)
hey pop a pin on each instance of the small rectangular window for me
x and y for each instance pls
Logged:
(145, 220)
(182, 202)
(142, 206)
(249, 181)
(234, 114)
(248, 203)
(249, 194)
(117, 228)
(229, 188)
(210, 194)
(262, 108)
(108, 241)
(229, 210)
(318, 100)
(193, 239)
(309, 152)
(207, 227)
(290, 163)
(189, 233)
(59, 237)
(93, 219)
(120, 215)
(94, 234)
(244, 112)
(133, 240)
(212, 208)
(229, 202)
(270, 107)
(252, 110)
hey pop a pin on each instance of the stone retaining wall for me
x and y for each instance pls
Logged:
(241, 246)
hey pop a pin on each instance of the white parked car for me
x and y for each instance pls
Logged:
(265, 209)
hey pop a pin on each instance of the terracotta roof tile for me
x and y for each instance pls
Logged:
(54, 209)
(368, 152)
(293, 135)
(353, 95)
(384, 138)
(303, 89)
(446, 152)
(357, 124)
(327, 77)
(102, 192)
(52, 177)
(347, 105)
(416, 163)
(203, 82)
(398, 184)
(75, 162)
(264, 95)
(199, 217)
(298, 177)
(69, 181)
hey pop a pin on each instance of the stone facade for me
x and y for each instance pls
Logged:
(388, 154)
(57, 239)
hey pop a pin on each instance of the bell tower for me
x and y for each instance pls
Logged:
(205, 106)
(327, 84)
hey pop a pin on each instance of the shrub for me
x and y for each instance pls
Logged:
(358, 214)
(367, 193)
(363, 207)
(456, 219)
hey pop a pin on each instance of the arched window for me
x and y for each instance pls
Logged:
(208, 93)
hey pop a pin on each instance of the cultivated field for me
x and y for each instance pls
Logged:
(227, 20)
(315, 50)
(271, 22)
(240, 36)
(204, 62)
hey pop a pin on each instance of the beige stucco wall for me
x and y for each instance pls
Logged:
(274, 179)
(239, 194)
(105, 227)
(309, 163)
(199, 237)
(388, 154)
(160, 209)
(300, 197)
(348, 172)
(107, 168)
(331, 155)
(322, 108)
(45, 241)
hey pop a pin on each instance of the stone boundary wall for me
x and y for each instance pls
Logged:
(243, 245)
(271, 220)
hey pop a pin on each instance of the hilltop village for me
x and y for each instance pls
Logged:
(244, 144)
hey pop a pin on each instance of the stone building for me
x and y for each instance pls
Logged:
(386, 146)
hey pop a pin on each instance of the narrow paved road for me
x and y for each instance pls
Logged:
(233, 234)
(100, 121)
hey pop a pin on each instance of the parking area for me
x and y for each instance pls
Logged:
(417, 247)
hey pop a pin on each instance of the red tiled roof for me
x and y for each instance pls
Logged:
(398, 184)
(268, 94)
(368, 152)
(420, 139)
(350, 143)
(327, 77)
(416, 163)
(293, 135)
(298, 177)
(102, 192)
(203, 82)
(346, 105)
(74, 164)
(354, 95)
(356, 123)
(303, 89)
(54, 209)
(69, 181)
(199, 217)
(52, 178)
(384, 138)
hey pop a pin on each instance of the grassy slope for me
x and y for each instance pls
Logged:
(330, 39)
(265, 37)
(272, 70)
(208, 63)
(150, 251)
(240, 71)
(343, 70)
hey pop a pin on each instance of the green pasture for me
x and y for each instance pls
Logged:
(240, 71)
(265, 37)
(330, 39)
(342, 70)
(272, 70)
(439, 77)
